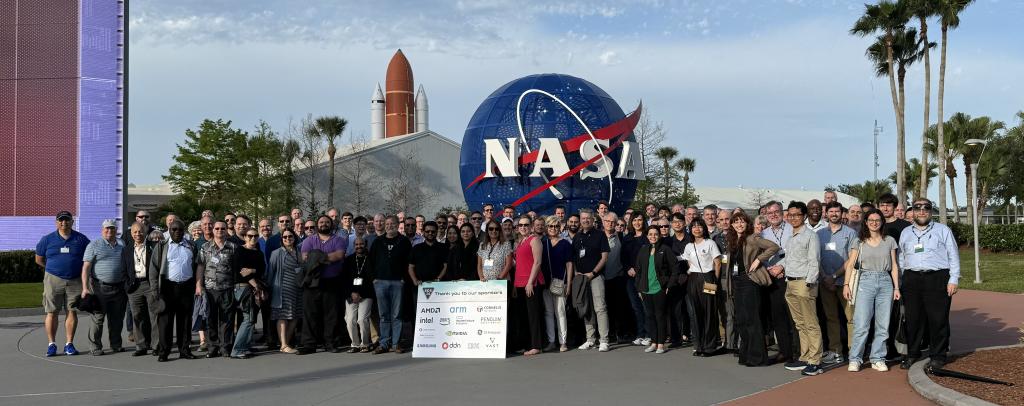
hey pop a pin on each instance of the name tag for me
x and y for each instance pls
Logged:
(830, 246)
(583, 252)
(65, 250)
(214, 260)
(488, 264)
(298, 269)
(679, 257)
(357, 282)
(735, 269)
(919, 248)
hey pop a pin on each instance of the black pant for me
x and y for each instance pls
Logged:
(178, 300)
(926, 304)
(269, 327)
(679, 320)
(703, 311)
(620, 315)
(112, 301)
(534, 333)
(656, 310)
(320, 314)
(747, 302)
(220, 326)
(782, 322)
(142, 306)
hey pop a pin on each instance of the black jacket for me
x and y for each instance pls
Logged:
(128, 263)
(665, 266)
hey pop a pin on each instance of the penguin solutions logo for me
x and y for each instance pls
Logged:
(547, 140)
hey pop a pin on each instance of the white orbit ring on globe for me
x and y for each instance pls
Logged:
(522, 136)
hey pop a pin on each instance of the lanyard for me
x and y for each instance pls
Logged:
(926, 231)
(778, 237)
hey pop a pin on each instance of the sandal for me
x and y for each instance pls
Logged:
(289, 350)
(531, 352)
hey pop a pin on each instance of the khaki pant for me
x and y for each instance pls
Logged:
(831, 301)
(801, 300)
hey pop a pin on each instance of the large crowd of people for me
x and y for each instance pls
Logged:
(712, 280)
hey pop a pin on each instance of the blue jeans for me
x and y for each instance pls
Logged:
(638, 308)
(243, 338)
(874, 299)
(389, 302)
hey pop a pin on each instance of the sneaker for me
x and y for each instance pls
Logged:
(587, 345)
(879, 366)
(603, 347)
(51, 350)
(660, 351)
(796, 365)
(646, 341)
(854, 366)
(651, 348)
(69, 349)
(638, 341)
(830, 357)
(96, 353)
(812, 370)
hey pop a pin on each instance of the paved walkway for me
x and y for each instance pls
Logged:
(978, 319)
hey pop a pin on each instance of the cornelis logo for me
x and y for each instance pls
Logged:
(430, 310)
(489, 309)
(427, 292)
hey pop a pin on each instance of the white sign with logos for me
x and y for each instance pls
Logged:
(461, 320)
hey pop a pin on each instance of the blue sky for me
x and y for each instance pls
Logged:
(762, 93)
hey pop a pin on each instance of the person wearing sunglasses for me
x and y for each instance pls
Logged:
(931, 275)
(60, 254)
(494, 259)
(320, 303)
(141, 216)
(217, 265)
(557, 257)
(283, 276)
(528, 278)
(248, 292)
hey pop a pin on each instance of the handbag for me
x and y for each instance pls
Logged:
(710, 288)
(760, 276)
(557, 286)
(854, 278)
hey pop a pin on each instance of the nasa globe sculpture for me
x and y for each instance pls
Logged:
(546, 140)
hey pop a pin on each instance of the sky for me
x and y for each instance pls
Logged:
(772, 94)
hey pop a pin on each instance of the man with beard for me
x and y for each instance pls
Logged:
(854, 216)
(780, 232)
(389, 262)
(178, 285)
(814, 213)
(572, 227)
(679, 320)
(830, 196)
(591, 255)
(560, 212)
(320, 303)
(930, 262)
(834, 243)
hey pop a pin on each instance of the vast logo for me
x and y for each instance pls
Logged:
(547, 140)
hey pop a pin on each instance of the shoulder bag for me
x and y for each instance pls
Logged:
(557, 286)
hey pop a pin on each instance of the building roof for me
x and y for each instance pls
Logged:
(160, 189)
(350, 151)
(733, 197)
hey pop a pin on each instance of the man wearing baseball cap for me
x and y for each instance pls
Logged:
(60, 255)
(103, 275)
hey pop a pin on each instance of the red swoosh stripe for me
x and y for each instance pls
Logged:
(625, 125)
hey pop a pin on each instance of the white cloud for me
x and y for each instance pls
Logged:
(608, 58)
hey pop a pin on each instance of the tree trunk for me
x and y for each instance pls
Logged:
(923, 182)
(686, 185)
(901, 141)
(330, 183)
(952, 192)
(900, 185)
(668, 183)
(970, 190)
(941, 139)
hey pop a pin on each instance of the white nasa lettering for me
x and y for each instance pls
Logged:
(550, 156)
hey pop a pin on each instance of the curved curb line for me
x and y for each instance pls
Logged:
(924, 386)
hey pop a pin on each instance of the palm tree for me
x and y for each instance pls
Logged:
(666, 154)
(888, 18)
(330, 127)
(687, 165)
(949, 17)
(289, 152)
(914, 173)
(956, 129)
(923, 10)
(869, 191)
(983, 128)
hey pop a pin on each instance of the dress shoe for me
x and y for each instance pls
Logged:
(213, 354)
(333, 350)
(906, 363)
(399, 350)
(550, 348)
(380, 350)
(161, 358)
(186, 355)
(306, 351)
(140, 352)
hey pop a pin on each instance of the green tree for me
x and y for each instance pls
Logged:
(330, 128)
(914, 173)
(983, 128)
(266, 174)
(888, 18)
(205, 167)
(869, 191)
(923, 10)
(687, 166)
(1009, 185)
(948, 12)
(666, 155)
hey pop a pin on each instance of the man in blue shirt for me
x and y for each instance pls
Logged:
(834, 240)
(930, 262)
(60, 255)
(103, 270)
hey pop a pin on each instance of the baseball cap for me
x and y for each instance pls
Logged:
(64, 215)
(109, 223)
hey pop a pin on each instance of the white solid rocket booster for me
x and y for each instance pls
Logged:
(421, 110)
(377, 115)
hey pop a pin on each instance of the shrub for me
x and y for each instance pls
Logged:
(995, 237)
(19, 266)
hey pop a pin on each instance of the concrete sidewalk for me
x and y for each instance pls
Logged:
(978, 319)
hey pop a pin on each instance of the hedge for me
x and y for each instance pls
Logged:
(994, 237)
(19, 266)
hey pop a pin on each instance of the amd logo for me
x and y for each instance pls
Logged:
(430, 310)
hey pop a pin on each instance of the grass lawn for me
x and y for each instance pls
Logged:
(1000, 272)
(15, 295)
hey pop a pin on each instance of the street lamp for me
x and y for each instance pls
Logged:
(974, 188)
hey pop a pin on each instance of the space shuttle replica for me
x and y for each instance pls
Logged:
(395, 111)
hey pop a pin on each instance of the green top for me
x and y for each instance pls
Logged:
(653, 286)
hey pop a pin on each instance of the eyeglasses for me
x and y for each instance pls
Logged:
(142, 217)
(287, 237)
(922, 207)
(523, 225)
(310, 227)
(477, 218)
(662, 226)
(492, 228)
(873, 221)
(251, 236)
(554, 226)
(488, 210)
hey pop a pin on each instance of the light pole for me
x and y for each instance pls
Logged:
(974, 188)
